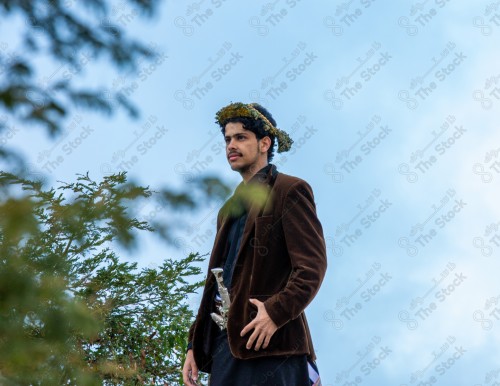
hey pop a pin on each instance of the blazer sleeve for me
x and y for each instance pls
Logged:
(193, 325)
(307, 250)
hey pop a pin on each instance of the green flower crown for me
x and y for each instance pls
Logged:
(239, 109)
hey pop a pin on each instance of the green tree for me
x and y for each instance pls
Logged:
(71, 312)
(61, 30)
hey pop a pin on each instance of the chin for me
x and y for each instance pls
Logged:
(233, 166)
(238, 168)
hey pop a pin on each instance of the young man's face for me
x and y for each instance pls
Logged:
(245, 153)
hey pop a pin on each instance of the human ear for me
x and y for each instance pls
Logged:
(265, 144)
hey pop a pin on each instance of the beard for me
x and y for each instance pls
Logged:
(245, 162)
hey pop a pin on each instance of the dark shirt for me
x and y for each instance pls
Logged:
(234, 241)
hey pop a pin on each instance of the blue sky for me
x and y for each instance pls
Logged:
(393, 107)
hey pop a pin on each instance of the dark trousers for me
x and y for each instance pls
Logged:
(264, 371)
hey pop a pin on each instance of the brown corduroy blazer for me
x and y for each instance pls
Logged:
(281, 262)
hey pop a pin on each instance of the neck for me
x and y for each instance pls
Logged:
(252, 170)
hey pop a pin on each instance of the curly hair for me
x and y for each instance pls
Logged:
(256, 126)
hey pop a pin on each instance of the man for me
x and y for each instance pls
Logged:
(271, 248)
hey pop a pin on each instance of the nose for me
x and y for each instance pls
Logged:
(230, 145)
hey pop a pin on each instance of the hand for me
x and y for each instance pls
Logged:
(190, 370)
(263, 327)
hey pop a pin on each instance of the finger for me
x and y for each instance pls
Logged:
(251, 340)
(247, 328)
(190, 372)
(194, 373)
(186, 378)
(188, 381)
(255, 301)
(260, 339)
(185, 372)
(266, 341)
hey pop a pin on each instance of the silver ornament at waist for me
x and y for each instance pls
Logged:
(223, 305)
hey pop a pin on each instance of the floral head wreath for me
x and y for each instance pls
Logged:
(239, 109)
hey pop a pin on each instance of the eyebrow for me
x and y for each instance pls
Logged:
(235, 134)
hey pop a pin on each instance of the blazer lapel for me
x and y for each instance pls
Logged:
(257, 207)
(249, 226)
